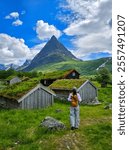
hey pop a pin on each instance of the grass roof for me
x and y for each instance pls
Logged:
(67, 84)
(16, 91)
(56, 74)
(11, 77)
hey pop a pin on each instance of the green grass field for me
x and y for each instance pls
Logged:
(21, 130)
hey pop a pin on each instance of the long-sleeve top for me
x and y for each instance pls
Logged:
(78, 95)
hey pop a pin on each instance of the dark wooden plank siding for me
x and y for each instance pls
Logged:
(72, 75)
(47, 82)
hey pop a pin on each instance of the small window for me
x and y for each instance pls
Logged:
(73, 74)
(45, 82)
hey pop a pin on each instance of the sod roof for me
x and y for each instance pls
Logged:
(60, 74)
(67, 84)
(12, 77)
(16, 91)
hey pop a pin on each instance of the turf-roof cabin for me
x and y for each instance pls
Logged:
(26, 95)
(13, 79)
(49, 78)
(87, 90)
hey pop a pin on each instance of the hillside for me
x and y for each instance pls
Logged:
(83, 67)
(20, 129)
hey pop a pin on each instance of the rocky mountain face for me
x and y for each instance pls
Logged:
(25, 64)
(52, 52)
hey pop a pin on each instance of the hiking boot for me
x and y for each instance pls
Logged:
(72, 128)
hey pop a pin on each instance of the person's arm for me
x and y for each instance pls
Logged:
(79, 97)
(69, 98)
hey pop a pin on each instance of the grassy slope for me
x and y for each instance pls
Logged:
(19, 129)
(83, 67)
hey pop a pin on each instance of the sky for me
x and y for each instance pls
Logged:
(84, 27)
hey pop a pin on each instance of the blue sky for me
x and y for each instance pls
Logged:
(83, 26)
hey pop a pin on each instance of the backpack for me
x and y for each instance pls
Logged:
(74, 101)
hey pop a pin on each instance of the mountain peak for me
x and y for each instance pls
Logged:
(53, 38)
(53, 41)
(52, 52)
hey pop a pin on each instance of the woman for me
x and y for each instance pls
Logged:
(74, 98)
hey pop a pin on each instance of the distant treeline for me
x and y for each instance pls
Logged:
(4, 74)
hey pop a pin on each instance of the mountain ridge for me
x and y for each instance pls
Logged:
(83, 67)
(9, 66)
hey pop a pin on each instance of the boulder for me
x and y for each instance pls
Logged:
(52, 124)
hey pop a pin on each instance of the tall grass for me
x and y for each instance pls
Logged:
(99, 136)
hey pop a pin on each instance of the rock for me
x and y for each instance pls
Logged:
(106, 107)
(52, 124)
(58, 110)
(109, 106)
(94, 102)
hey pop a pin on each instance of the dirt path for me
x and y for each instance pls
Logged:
(71, 141)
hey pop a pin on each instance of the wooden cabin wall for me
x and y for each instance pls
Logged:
(88, 93)
(38, 99)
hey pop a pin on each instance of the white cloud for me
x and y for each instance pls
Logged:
(77, 10)
(23, 12)
(82, 28)
(6, 52)
(92, 43)
(13, 50)
(38, 47)
(13, 15)
(92, 29)
(84, 8)
(17, 23)
(45, 31)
